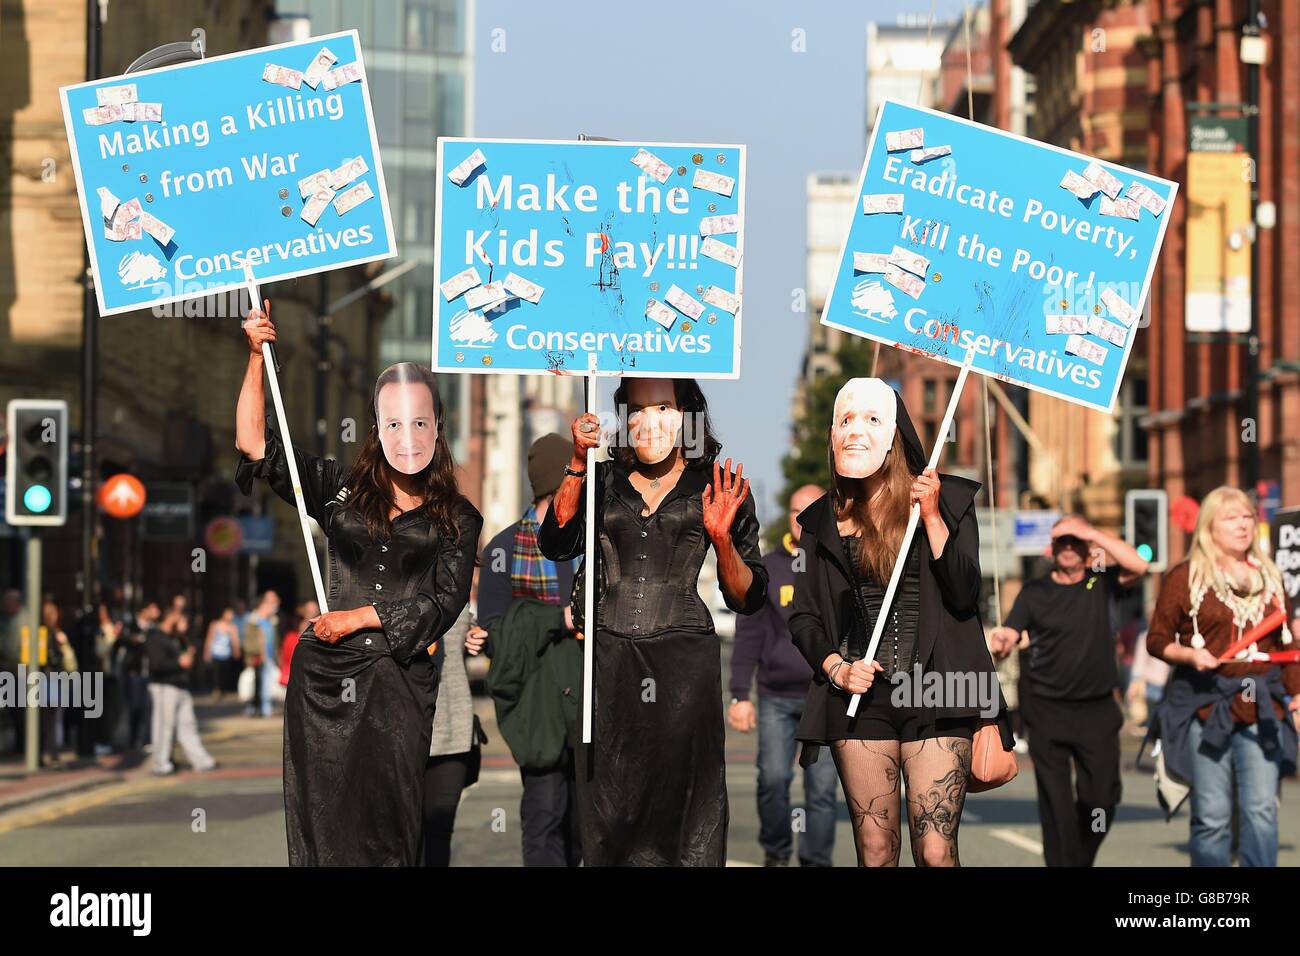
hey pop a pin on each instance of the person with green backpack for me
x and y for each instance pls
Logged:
(527, 628)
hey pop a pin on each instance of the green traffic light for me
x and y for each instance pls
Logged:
(37, 499)
(1144, 552)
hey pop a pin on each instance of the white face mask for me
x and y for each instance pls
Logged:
(655, 427)
(408, 429)
(863, 430)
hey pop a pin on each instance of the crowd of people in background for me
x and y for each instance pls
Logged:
(154, 659)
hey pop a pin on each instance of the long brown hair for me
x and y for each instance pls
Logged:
(370, 483)
(882, 521)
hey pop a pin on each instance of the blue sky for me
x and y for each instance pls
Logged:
(723, 72)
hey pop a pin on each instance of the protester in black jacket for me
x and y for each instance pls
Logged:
(920, 728)
(170, 661)
(763, 644)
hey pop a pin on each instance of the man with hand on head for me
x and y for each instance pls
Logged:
(1068, 680)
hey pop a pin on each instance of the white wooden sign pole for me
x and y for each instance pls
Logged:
(913, 519)
(589, 563)
(282, 419)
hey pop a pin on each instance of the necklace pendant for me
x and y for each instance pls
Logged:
(655, 483)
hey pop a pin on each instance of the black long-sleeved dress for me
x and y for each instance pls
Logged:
(358, 714)
(652, 785)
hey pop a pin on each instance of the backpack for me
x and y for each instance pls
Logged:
(254, 640)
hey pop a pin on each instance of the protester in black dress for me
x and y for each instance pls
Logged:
(359, 706)
(850, 540)
(652, 786)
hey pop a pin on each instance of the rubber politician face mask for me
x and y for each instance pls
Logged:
(654, 422)
(862, 433)
(408, 427)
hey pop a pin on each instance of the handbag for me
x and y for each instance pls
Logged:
(990, 765)
(247, 686)
(475, 762)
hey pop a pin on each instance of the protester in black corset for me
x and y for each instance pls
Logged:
(652, 788)
(1068, 680)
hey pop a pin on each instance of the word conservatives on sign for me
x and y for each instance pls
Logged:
(187, 173)
(966, 237)
(552, 254)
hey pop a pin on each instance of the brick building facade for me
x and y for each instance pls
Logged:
(1198, 413)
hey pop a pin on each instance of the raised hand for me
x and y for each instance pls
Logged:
(925, 489)
(722, 500)
(258, 327)
(586, 434)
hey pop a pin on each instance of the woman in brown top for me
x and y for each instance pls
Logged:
(1211, 726)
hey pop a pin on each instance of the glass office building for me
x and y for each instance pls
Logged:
(419, 64)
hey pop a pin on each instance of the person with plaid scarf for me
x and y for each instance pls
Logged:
(523, 602)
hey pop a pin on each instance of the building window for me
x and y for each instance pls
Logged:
(449, 92)
(419, 27)
(1130, 437)
(417, 109)
(930, 397)
(435, 27)
(386, 100)
(356, 13)
(448, 26)
(417, 221)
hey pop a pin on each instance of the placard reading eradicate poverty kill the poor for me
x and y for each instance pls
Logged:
(550, 252)
(266, 157)
(1036, 257)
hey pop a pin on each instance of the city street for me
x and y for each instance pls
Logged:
(334, 345)
(149, 821)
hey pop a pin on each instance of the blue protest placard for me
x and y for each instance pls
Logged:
(967, 237)
(266, 157)
(547, 253)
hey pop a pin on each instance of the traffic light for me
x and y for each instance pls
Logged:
(36, 462)
(1146, 525)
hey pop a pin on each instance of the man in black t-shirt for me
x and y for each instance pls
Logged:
(1068, 678)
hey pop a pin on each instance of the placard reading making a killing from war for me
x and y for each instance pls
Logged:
(266, 157)
(548, 252)
(1038, 258)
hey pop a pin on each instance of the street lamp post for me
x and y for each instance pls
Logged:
(1251, 457)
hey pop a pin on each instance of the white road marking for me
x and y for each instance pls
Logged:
(1019, 840)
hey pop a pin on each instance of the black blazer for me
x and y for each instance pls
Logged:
(950, 634)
